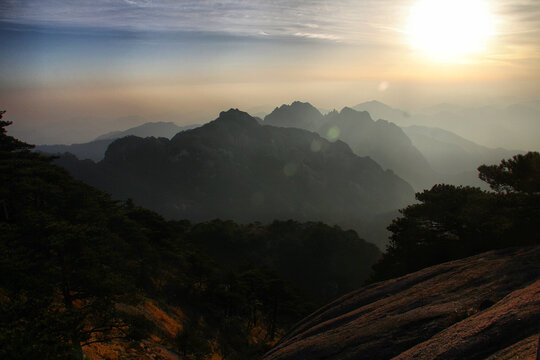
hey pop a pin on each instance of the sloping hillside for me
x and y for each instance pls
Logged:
(486, 306)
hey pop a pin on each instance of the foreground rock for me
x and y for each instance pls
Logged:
(486, 306)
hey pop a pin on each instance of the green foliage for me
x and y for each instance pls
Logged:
(57, 246)
(9, 143)
(69, 255)
(452, 222)
(519, 174)
(28, 333)
(343, 260)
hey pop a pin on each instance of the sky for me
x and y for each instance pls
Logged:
(72, 70)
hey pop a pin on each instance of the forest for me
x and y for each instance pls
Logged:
(69, 255)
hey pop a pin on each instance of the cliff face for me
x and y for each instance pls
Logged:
(486, 306)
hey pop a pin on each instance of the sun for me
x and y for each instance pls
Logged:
(450, 29)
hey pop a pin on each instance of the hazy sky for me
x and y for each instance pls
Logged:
(80, 67)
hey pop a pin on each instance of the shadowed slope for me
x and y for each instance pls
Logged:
(465, 309)
(383, 141)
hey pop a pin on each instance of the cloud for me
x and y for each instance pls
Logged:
(317, 36)
(359, 22)
(313, 19)
(518, 31)
(142, 3)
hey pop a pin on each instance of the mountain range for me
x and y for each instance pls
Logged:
(381, 140)
(449, 153)
(235, 168)
(452, 157)
(514, 126)
(284, 174)
(379, 110)
(419, 154)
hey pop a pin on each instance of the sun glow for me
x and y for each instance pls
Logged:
(450, 29)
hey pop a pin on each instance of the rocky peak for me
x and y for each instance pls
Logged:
(237, 117)
(299, 114)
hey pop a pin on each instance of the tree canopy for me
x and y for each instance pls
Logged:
(9, 143)
(70, 255)
(451, 222)
(521, 173)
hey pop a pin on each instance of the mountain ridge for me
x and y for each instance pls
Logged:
(381, 140)
(449, 153)
(234, 168)
(513, 126)
(299, 114)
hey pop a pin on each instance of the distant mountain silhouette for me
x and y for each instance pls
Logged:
(449, 153)
(95, 150)
(156, 129)
(381, 140)
(235, 168)
(453, 157)
(512, 127)
(298, 115)
(378, 110)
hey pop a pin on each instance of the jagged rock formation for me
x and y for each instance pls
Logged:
(486, 306)
(235, 168)
(299, 115)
